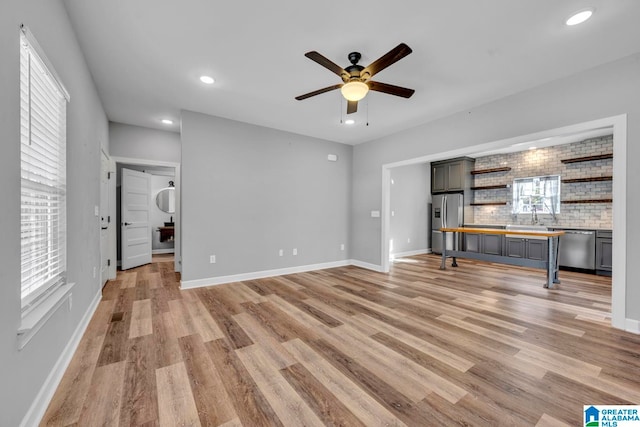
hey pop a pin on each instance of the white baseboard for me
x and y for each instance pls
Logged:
(35, 413)
(163, 251)
(366, 265)
(632, 325)
(410, 253)
(212, 281)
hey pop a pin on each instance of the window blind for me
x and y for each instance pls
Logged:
(43, 103)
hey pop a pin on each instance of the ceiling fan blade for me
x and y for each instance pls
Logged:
(352, 107)
(390, 89)
(327, 63)
(393, 56)
(318, 92)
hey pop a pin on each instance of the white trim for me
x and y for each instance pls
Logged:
(386, 218)
(619, 125)
(632, 325)
(37, 409)
(409, 253)
(619, 265)
(212, 281)
(367, 265)
(38, 316)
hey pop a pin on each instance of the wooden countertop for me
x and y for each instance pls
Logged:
(501, 231)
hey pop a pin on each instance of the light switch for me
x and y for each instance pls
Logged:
(96, 210)
(332, 157)
(375, 214)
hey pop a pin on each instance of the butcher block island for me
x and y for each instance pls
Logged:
(522, 245)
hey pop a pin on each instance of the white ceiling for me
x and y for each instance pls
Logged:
(146, 56)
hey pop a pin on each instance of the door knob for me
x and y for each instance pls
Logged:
(128, 223)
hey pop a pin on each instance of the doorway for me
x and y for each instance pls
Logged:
(163, 209)
(618, 125)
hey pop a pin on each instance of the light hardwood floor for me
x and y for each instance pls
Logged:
(483, 344)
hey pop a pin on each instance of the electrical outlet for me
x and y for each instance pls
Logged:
(295, 251)
(280, 252)
(212, 259)
(408, 239)
(94, 272)
(342, 247)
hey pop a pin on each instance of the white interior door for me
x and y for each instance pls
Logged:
(135, 238)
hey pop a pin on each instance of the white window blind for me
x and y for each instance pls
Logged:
(43, 104)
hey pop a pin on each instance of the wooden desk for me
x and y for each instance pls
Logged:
(551, 265)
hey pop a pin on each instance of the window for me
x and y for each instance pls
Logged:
(538, 194)
(43, 103)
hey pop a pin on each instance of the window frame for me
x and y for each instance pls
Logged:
(43, 195)
(545, 204)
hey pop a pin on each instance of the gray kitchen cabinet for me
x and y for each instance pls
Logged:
(604, 251)
(517, 247)
(473, 242)
(451, 175)
(490, 244)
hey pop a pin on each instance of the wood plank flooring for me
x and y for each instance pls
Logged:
(480, 345)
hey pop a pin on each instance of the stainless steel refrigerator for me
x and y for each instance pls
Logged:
(447, 210)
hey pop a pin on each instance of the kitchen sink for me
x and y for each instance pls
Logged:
(518, 227)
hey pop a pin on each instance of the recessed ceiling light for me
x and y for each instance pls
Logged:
(349, 122)
(167, 121)
(207, 79)
(579, 17)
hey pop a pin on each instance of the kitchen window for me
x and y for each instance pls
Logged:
(538, 194)
(43, 193)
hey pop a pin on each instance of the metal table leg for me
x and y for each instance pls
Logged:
(552, 262)
(444, 251)
(454, 263)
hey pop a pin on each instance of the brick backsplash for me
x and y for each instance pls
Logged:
(547, 161)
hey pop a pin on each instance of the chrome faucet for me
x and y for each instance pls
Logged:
(534, 215)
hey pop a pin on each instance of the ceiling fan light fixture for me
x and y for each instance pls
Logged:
(579, 17)
(354, 91)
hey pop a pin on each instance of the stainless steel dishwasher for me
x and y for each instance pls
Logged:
(578, 249)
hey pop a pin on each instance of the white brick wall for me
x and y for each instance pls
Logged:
(546, 161)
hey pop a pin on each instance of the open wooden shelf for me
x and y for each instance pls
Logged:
(586, 201)
(490, 187)
(591, 179)
(481, 171)
(489, 204)
(587, 159)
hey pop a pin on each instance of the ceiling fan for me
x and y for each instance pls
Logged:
(356, 78)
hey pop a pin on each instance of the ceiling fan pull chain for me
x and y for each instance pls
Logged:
(367, 111)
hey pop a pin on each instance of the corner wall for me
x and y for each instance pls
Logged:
(27, 373)
(249, 191)
(410, 195)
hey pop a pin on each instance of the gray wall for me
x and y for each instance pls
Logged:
(138, 142)
(605, 91)
(24, 372)
(410, 188)
(249, 191)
